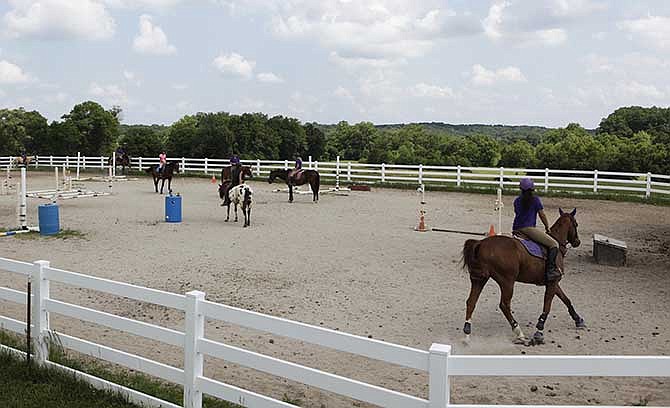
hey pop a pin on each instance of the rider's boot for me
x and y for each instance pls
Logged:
(552, 272)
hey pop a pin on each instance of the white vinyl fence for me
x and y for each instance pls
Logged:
(591, 181)
(437, 361)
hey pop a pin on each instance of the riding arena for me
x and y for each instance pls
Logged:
(354, 263)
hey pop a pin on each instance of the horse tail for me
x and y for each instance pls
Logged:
(470, 257)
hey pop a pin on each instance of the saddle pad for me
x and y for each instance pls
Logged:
(534, 248)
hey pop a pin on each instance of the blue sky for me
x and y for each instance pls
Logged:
(497, 61)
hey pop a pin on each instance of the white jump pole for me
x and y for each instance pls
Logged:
(23, 223)
(337, 174)
(78, 161)
(56, 173)
(113, 164)
(498, 207)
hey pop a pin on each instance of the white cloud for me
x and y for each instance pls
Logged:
(634, 89)
(142, 4)
(535, 23)
(152, 39)
(235, 64)
(269, 77)
(111, 93)
(432, 91)
(652, 30)
(12, 73)
(343, 92)
(596, 64)
(483, 76)
(85, 19)
(131, 77)
(371, 30)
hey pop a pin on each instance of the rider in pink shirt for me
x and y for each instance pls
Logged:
(163, 159)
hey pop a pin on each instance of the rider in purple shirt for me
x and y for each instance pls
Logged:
(527, 207)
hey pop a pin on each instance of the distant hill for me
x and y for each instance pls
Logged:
(532, 134)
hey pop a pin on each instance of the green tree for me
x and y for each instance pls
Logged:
(21, 130)
(316, 141)
(519, 154)
(99, 128)
(142, 141)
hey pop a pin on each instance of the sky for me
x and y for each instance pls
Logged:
(533, 62)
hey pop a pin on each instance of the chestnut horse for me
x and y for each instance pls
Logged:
(169, 169)
(506, 260)
(306, 176)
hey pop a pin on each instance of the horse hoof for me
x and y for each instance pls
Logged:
(538, 338)
(467, 328)
(580, 324)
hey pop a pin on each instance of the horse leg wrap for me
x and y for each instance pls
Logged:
(540, 321)
(467, 327)
(518, 333)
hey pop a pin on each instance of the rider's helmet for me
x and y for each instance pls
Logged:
(526, 183)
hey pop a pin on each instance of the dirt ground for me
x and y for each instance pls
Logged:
(355, 264)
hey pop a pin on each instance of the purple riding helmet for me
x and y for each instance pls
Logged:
(526, 184)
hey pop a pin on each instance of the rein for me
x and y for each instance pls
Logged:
(562, 244)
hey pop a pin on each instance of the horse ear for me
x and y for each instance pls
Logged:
(574, 212)
(560, 211)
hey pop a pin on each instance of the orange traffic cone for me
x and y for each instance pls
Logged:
(422, 222)
(213, 179)
(492, 231)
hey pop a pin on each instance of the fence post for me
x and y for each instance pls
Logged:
(348, 171)
(383, 172)
(285, 164)
(67, 161)
(194, 330)
(420, 174)
(258, 167)
(337, 173)
(37, 160)
(183, 165)
(309, 162)
(458, 176)
(546, 180)
(595, 181)
(140, 162)
(40, 316)
(438, 381)
(502, 175)
(51, 161)
(205, 165)
(316, 165)
(102, 162)
(647, 193)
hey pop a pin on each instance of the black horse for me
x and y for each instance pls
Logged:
(169, 169)
(302, 177)
(122, 160)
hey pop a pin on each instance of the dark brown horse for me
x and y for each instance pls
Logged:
(506, 260)
(122, 160)
(169, 169)
(227, 182)
(306, 176)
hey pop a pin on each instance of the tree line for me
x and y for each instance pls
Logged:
(633, 139)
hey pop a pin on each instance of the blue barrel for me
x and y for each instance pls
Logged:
(173, 208)
(48, 219)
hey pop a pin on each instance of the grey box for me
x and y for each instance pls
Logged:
(609, 251)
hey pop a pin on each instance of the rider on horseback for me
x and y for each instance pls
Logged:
(527, 207)
(293, 173)
(162, 161)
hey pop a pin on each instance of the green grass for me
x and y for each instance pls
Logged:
(47, 388)
(34, 235)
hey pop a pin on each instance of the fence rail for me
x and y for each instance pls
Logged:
(438, 361)
(644, 184)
